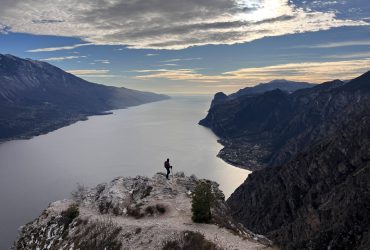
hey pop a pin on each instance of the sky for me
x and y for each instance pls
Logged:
(191, 46)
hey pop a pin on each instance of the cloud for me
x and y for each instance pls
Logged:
(47, 21)
(181, 59)
(59, 48)
(167, 64)
(163, 24)
(308, 71)
(62, 58)
(98, 76)
(356, 9)
(350, 55)
(104, 61)
(337, 44)
(177, 75)
(152, 54)
(88, 72)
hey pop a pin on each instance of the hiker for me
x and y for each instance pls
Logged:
(167, 166)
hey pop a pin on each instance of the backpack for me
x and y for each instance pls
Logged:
(166, 165)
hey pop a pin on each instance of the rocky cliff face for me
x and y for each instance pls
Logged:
(321, 198)
(36, 97)
(136, 213)
(270, 129)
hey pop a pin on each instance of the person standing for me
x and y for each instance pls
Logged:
(167, 166)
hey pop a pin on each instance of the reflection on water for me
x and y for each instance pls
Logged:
(130, 142)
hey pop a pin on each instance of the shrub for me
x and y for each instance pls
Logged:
(190, 240)
(70, 214)
(135, 212)
(149, 210)
(160, 208)
(155, 210)
(79, 194)
(201, 203)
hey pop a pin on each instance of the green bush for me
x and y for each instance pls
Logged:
(201, 203)
(70, 214)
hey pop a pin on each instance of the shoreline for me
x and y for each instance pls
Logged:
(58, 124)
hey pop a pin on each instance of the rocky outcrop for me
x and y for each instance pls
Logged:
(219, 98)
(136, 213)
(36, 97)
(321, 198)
(270, 129)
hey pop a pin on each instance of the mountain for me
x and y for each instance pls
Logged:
(36, 97)
(271, 128)
(137, 213)
(321, 198)
(284, 85)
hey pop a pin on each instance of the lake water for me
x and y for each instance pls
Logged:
(130, 142)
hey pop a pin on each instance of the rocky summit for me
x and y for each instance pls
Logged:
(137, 213)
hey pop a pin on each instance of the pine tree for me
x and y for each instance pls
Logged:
(201, 203)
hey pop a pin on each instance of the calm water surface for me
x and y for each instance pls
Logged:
(131, 142)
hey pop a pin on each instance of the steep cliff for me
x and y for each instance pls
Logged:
(321, 198)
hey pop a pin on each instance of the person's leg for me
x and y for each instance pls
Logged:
(168, 173)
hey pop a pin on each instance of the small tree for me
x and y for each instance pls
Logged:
(201, 203)
(70, 214)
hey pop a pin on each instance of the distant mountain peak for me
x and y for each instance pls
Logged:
(282, 84)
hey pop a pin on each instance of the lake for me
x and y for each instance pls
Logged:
(130, 142)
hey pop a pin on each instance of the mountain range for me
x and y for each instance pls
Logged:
(321, 198)
(270, 128)
(310, 150)
(37, 97)
(282, 84)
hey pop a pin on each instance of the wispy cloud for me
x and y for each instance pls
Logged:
(177, 75)
(337, 44)
(306, 71)
(148, 70)
(62, 58)
(99, 76)
(50, 49)
(181, 59)
(167, 64)
(92, 73)
(163, 24)
(152, 54)
(349, 55)
(104, 61)
(86, 72)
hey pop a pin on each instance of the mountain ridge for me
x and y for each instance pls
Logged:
(319, 199)
(282, 84)
(37, 97)
(269, 129)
